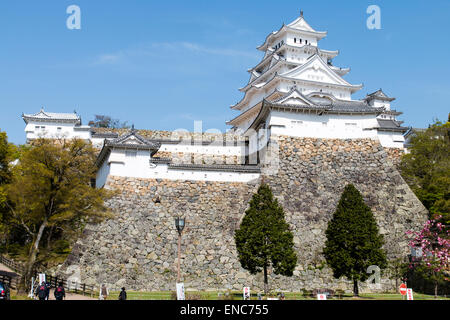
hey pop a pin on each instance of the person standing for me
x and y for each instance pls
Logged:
(103, 292)
(60, 293)
(41, 291)
(48, 286)
(123, 294)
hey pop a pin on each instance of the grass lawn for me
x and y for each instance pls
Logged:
(235, 295)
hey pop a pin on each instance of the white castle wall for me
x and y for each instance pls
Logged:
(34, 130)
(121, 163)
(391, 139)
(327, 126)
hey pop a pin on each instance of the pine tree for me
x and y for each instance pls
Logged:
(264, 238)
(353, 241)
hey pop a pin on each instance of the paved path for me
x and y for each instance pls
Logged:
(69, 296)
(72, 296)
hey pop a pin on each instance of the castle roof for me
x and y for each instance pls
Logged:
(306, 47)
(391, 125)
(217, 167)
(318, 107)
(378, 95)
(299, 26)
(131, 140)
(44, 116)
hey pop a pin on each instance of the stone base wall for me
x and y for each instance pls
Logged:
(138, 248)
(394, 155)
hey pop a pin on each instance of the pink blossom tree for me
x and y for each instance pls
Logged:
(432, 243)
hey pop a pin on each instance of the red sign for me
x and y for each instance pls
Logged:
(403, 289)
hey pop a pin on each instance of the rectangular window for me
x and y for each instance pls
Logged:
(295, 40)
(36, 128)
(59, 129)
(130, 154)
(350, 124)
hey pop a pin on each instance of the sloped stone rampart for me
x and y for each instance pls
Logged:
(138, 248)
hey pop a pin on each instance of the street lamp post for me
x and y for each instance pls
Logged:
(179, 224)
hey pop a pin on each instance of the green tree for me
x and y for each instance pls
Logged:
(426, 169)
(50, 187)
(264, 238)
(353, 241)
(398, 269)
(103, 121)
(5, 176)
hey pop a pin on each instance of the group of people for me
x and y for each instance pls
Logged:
(104, 292)
(43, 291)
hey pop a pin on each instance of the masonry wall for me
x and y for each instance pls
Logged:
(138, 248)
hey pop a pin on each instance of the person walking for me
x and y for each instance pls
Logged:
(123, 294)
(48, 286)
(41, 291)
(60, 293)
(103, 292)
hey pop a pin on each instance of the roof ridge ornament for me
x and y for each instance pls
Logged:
(301, 13)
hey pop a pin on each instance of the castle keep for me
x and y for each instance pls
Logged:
(298, 129)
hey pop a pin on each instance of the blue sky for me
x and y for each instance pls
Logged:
(163, 64)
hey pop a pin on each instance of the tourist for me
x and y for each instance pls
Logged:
(41, 291)
(48, 286)
(103, 292)
(123, 294)
(60, 293)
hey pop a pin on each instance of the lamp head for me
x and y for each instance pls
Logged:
(179, 224)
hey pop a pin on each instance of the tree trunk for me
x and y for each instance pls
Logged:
(32, 257)
(355, 288)
(435, 289)
(266, 285)
(49, 238)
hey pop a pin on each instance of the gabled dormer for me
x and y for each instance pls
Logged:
(294, 97)
(134, 140)
(127, 144)
(317, 70)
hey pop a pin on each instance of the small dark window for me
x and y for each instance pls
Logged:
(300, 40)
(295, 40)
(306, 41)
